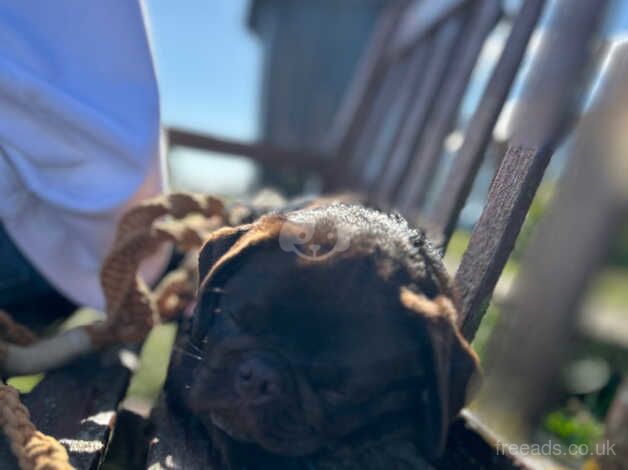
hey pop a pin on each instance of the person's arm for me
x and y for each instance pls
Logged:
(79, 132)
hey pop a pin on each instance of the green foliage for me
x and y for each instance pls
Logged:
(484, 331)
(25, 383)
(154, 359)
(574, 427)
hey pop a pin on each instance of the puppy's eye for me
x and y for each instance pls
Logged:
(325, 376)
(333, 397)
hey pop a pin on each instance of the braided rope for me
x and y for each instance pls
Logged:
(33, 450)
(12, 332)
(132, 310)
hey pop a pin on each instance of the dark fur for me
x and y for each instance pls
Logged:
(362, 343)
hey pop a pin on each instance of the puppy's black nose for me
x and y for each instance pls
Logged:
(256, 382)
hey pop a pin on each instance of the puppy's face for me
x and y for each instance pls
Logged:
(300, 353)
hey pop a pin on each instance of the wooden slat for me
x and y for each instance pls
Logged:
(375, 121)
(467, 162)
(375, 157)
(410, 133)
(539, 122)
(77, 405)
(417, 181)
(177, 443)
(422, 18)
(262, 153)
(471, 446)
(350, 118)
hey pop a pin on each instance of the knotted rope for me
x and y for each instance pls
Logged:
(186, 220)
(33, 450)
(132, 309)
(12, 332)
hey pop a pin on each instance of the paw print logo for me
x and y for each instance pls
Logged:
(314, 242)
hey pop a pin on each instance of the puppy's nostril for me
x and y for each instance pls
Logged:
(257, 382)
(245, 373)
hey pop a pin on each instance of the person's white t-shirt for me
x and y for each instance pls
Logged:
(79, 132)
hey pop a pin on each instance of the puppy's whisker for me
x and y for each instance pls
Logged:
(188, 353)
(192, 346)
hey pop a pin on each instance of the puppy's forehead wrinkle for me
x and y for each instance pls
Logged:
(388, 237)
(399, 252)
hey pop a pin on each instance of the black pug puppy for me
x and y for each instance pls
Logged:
(327, 339)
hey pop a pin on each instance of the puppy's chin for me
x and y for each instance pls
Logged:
(296, 442)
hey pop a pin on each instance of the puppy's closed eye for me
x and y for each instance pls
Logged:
(325, 375)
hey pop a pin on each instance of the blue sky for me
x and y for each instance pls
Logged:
(208, 65)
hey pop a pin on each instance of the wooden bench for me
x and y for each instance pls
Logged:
(387, 142)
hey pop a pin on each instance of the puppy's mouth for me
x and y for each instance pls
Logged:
(276, 429)
(256, 404)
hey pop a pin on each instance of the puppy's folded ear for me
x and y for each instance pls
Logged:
(450, 366)
(217, 245)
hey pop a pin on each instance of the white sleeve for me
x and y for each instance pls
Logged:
(79, 111)
(79, 131)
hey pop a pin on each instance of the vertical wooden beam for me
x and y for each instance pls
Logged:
(377, 118)
(420, 174)
(421, 18)
(355, 107)
(547, 105)
(401, 104)
(467, 162)
(443, 44)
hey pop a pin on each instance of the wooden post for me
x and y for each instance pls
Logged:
(529, 344)
(546, 106)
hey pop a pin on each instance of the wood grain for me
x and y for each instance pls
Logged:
(77, 405)
(416, 184)
(458, 183)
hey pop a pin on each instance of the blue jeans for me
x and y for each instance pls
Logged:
(26, 294)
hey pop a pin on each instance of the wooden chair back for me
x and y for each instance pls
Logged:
(387, 142)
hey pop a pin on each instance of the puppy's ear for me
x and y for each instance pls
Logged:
(450, 366)
(217, 245)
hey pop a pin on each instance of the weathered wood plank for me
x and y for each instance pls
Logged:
(412, 129)
(471, 446)
(177, 444)
(262, 153)
(77, 405)
(376, 121)
(180, 445)
(458, 184)
(416, 184)
(401, 105)
(349, 120)
(420, 20)
(540, 121)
